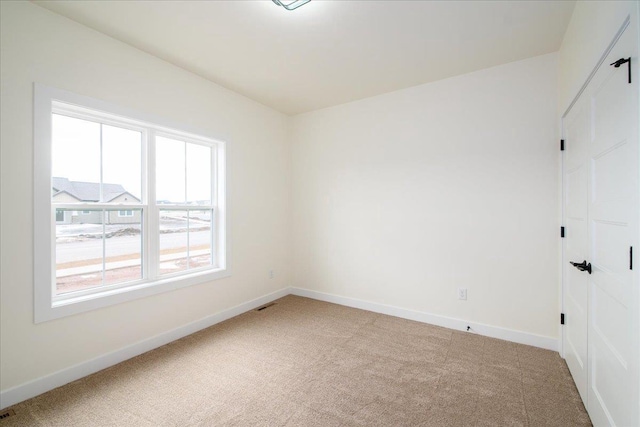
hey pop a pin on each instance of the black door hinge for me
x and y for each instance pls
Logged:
(630, 257)
(562, 318)
(562, 145)
(562, 232)
(621, 61)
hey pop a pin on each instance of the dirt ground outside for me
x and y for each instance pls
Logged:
(124, 274)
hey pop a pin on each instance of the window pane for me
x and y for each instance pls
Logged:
(75, 160)
(199, 238)
(78, 251)
(198, 174)
(170, 171)
(121, 165)
(173, 241)
(123, 247)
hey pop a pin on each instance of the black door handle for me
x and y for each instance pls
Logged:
(583, 266)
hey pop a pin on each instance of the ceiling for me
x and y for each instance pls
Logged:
(327, 52)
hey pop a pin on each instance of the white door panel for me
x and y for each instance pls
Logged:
(608, 108)
(605, 392)
(577, 195)
(614, 170)
(575, 334)
(610, 324)
(610, 249)
(577, 129)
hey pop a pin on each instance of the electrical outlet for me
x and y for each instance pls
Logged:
(271, 274)
(462, 293)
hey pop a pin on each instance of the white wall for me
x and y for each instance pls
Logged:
(402, 198)
(39, 46)
(397, 199)
(591, 29)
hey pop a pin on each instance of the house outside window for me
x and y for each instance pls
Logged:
(151, 199)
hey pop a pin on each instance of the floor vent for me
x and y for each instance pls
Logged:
(6, 414)
(265, 306)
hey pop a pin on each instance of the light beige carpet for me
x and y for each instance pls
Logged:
(302, 362)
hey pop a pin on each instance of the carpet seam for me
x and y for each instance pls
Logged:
(524, 400)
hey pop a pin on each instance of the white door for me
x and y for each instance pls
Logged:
(601, 161)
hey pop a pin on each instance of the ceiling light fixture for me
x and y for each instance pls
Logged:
(290, 5)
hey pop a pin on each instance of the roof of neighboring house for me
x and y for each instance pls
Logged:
(88, 191)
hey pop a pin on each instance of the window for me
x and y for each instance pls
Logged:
(151, 199)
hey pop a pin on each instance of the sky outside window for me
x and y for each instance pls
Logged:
(183, 170)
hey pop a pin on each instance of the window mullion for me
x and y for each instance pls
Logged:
(186, 197)
(101, 196)
(153, 218)
(213, 242)
(144, 226)
(52, 244)
(104, 244)
(188, 244)
(186, 201)
(101, 192)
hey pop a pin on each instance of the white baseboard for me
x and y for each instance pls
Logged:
(41, 385)
(49, 382)
(548, 343)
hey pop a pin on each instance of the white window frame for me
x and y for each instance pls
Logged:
(48, 306)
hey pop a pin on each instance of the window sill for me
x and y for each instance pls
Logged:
(74, 305)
